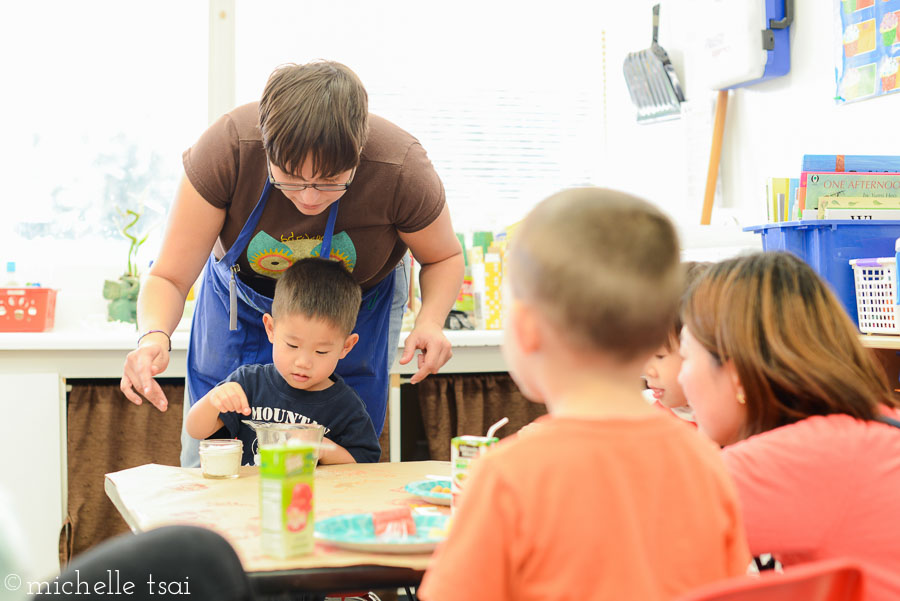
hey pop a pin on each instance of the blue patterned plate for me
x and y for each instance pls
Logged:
(355, 532)
(423, 488)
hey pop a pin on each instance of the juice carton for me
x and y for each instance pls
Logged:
(286, 479)
(476, 268)
(492, 309)
(465, 299)
(463, 451)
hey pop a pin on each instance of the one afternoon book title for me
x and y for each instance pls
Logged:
(850, 184)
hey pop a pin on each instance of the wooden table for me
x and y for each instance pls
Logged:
(35, 367)
(153, 495)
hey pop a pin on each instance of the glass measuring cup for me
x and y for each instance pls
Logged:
(280, 435)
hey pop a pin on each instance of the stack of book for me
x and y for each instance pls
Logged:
(855, 187)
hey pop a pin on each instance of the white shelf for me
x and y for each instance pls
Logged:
(99, 352)
(121, 336)
(880, 341)
(109, 337)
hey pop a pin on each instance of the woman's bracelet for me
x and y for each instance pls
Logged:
(169, 338)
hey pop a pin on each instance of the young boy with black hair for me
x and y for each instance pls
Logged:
(310, 328)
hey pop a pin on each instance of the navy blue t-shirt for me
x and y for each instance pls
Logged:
(338, 408)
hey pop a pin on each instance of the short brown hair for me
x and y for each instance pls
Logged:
(795, 350)
(691, 271)
(319, 111)
(602, 266)
(318, 289)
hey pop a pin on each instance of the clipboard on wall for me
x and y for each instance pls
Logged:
(747, 43)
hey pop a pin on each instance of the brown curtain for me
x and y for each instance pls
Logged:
(106, 433)
(385, 439)
(459, 404)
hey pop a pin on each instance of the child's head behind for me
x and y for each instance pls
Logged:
(313, 314)
(661, 371)
(601, 268)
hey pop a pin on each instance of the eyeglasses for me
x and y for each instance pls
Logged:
(319, 187)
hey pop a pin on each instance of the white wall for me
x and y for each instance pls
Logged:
(769, 126)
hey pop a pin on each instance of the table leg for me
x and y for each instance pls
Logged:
(394, 417)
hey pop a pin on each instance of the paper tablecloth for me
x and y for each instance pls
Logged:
(153, 495)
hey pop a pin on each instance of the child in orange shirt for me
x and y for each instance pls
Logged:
(582, 506)
(661, 371)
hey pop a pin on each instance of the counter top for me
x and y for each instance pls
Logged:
(99, 352)
(880, 341)
(117, 336)
(122, 337)
(109, 337)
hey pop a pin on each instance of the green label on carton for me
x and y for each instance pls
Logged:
(286, 487)
(464, 450)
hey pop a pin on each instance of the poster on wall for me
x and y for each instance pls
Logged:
(869, 50)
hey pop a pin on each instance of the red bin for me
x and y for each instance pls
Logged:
(27, 309)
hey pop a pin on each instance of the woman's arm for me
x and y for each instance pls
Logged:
(437, 249)
(192, 230)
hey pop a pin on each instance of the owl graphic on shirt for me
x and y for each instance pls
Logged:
(270, 257)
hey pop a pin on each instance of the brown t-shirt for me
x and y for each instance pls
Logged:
(396, 189)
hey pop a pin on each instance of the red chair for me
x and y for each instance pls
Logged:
(827, 580)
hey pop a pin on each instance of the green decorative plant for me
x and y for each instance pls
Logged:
(122, 293)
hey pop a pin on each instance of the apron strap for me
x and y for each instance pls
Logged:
(236, 289)
(243, 238)
(329, 231)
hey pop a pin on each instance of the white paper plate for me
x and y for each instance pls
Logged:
(355, 532)
(422, 489)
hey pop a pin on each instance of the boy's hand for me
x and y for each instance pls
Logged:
(229, 397)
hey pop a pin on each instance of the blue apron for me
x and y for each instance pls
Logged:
(227, 329)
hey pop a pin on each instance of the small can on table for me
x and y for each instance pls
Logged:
(463, 451)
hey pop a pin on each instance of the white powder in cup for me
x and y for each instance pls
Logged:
(220, 458)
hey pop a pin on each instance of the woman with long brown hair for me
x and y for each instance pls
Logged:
(775, 372)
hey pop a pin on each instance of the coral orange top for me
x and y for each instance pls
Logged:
(624, 508)
(827, 486)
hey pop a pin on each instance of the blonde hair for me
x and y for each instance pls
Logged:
(318, 111)
(318, 289)
(602, 266)
(795, 350)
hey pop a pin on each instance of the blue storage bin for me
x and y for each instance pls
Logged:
(829, 244)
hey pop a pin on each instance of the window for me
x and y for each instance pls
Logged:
(100, 100)
(103, 97)
(506, 99)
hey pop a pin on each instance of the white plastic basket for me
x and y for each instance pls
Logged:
(876, 295)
